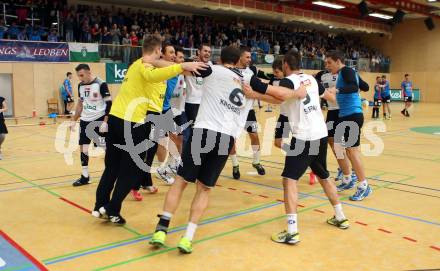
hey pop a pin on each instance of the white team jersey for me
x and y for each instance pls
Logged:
(329, 81)
(178, 97)
(224, 108)
(247, 72)
(305, 116)
(194, 88)
(93, 96)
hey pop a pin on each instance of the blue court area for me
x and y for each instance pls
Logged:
(11, 259)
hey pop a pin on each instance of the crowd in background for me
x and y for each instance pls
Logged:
(128, 27)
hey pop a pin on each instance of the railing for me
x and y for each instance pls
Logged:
(127, 54)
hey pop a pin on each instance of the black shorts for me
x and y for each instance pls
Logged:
(3, 128)
(348, 130)
(386, 99)
(89, 130)
(304, 154)
(377, 102)
(204, 162)
(69, 100)
(180, 121)
(191, 111)
(251, 122)
(408, 98)
(282, 129)
(332, 121)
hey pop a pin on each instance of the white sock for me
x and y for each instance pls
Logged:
(234, 160)
(292, 224)
(346, 179)
(363, 184)
(85, 171)
(168, 215)
(256, 150)
(190, 230)
(338, 212)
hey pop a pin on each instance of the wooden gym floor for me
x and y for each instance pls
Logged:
(45, 223)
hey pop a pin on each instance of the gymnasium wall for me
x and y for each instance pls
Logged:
(414, 50)
(34, 83)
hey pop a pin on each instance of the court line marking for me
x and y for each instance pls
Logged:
(279, 201)
(212, 237)
(23, 251)
(352, 204)
(148, 236)
(372, 178)
(125, 227)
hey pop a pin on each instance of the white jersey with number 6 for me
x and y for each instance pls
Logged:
(223, 107)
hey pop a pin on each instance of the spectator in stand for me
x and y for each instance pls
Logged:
(3, 29)
(69, 28)
(13, 31)
(22, 35)
(96, 34)
(106, 39)
(53, 37)
(126, 42)
(115, 34)
(134, 43)
(35, 36)
(276, 48)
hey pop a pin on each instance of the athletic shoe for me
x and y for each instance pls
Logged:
(96, 213)
(286, 238)
(82, 181)
(342, 224)
(158, 239)
(162, 173)
(236, 172)
(403, 112)
(259, 168)
(361, 193)
(339, 175)
(354, 177)
(117, 219)
(173, 168)
(389, 117)
(152, 189)
(185, 245)
(346, 186)
(406, 113)
(102, 213)
(136, 195)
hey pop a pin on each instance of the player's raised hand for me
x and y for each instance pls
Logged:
(194, 67)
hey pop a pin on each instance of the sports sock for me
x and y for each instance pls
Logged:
(338, 212)
(292, 224)
(346, 179)
(85, 164)
(234, 160)
(256, 151)
(363, 184)
(190, 230)
(164, 222)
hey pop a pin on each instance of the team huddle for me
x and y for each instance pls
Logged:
(194, 112)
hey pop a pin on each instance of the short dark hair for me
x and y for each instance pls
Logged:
(164, 47)
(244, 49)
(151, 43)
(406, 75)
(179, 49)
(384, 76)
(230, 55)
(68, 73)
(377, 77)
(277, 64)
(293, 59)
(202, 45)
(82, 66)
(335, 55)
